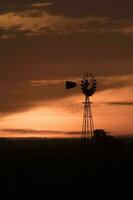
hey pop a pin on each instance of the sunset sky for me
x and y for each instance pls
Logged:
(43, 43)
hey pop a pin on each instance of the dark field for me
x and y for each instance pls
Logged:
(60, 169)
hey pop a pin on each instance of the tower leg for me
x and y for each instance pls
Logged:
(88, 125)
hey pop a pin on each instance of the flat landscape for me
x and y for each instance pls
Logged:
(62, 169)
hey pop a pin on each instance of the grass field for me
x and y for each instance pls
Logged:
(50, 169)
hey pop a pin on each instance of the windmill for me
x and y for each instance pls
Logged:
(88, 86)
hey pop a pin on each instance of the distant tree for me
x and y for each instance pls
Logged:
(103, 140)
(100, 133)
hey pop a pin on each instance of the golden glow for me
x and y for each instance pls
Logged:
(66, 115)
(62, 24)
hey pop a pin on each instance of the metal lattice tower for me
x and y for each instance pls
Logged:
(88, 125)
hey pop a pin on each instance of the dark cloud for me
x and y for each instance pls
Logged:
(18, 97)
(114, 82)
(21, 96)
(74, 14)
(40, 132)
(121, 103)
(29, 131)
(116, 8)
(15, 6)
(55, 57)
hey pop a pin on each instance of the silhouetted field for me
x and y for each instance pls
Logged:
(62, 169)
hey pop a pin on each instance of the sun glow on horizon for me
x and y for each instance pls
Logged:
(66, 115)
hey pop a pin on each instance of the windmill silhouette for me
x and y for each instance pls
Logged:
(88, 86)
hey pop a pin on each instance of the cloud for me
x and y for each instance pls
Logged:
(29, 131)
(11, 132)
(44, 4)
(121, 103)
(126, 29)
(64, 18)
(115, 82)
(35, 22)
(7, 37)
(29, 20)
(21, 96)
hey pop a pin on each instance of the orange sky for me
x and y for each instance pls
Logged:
(65, 115)
(43, 44)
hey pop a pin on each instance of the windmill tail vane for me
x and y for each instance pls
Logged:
(70, 84)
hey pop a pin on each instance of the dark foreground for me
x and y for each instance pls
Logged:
(60, 169)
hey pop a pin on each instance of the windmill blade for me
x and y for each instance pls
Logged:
(83, 85)
(94, 85)
(83, 81)
(92, 76)
(94, 80)
(70, 84)
(84, 78)
(88, 84)
(85, 75)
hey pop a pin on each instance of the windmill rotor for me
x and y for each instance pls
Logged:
(88, 84)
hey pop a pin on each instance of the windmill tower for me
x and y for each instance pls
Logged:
(88, 86)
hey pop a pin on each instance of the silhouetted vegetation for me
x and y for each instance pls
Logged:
(100, 133)
(59, 169)
(104, 141)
